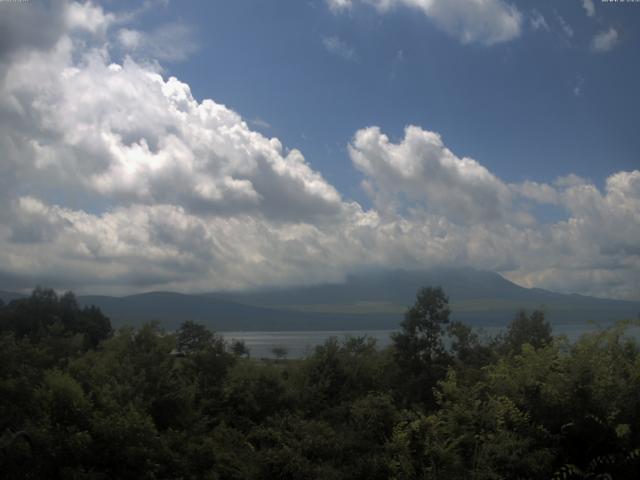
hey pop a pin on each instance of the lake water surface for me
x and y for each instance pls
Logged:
(298, 344)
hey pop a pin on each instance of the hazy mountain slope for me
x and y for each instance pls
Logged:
(365, 301)
(171, 309)
(6, 297)
(476, 297)
(395, 287)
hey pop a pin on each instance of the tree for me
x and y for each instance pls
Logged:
(46, 316)
(470, 353)
(280, 352)
(240, 349)
(252, 392)
(193, 337)
(533, 329)
(207, 362)
(95, 325)
(419, 349)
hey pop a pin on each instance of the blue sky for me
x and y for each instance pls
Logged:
(540, 106)
(196, 146)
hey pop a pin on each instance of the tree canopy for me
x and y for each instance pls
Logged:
(80, 401)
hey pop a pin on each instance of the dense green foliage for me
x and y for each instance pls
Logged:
(80, 401)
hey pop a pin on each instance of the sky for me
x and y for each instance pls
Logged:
(200, 146)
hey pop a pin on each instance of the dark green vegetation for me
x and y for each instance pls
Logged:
(80, 401)
(375, 301)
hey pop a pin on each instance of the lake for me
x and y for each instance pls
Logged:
(300, 343)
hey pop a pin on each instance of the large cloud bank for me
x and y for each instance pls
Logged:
(114, 178)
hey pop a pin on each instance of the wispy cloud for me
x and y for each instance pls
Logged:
(487, 22)
(339, 5)
(605, 40)
(339, 47)
(564, 25)
(260, 123)
(538, 21)
(577, 89)
(172, 42)
(589, 7)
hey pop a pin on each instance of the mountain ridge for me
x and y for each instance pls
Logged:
(364, 301)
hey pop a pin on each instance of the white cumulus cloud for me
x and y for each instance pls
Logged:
(87, 16)
(116, 179)
(123, 132)
(423, 168)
